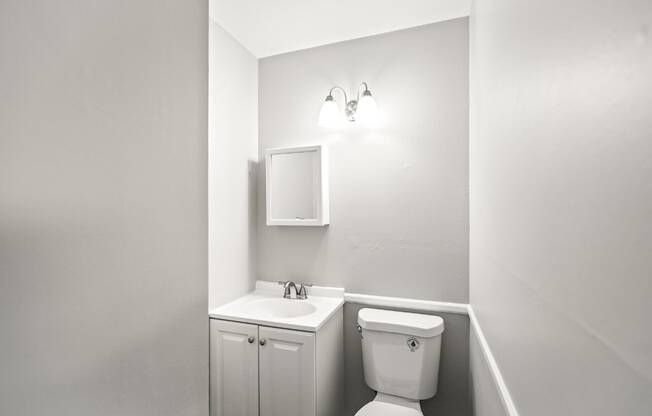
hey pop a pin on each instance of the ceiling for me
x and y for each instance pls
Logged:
(271, 27)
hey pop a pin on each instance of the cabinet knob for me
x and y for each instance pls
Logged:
(262, 341)
(251, 340)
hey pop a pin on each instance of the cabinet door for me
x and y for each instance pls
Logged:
(233, 369)
(287, 372)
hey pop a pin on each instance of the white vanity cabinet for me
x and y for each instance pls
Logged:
(258, 370)
(286, 372)
(233, 368)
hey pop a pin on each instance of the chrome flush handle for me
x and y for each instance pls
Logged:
(413, 344)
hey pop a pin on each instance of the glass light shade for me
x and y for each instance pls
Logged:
(367, 111)
(330, 114)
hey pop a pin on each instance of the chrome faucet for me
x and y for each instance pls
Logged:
(287, 289)
(300, 292)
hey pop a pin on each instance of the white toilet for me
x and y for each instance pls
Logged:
(400, 356)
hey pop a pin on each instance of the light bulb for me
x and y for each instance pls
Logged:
(330, 114)
(367, 111)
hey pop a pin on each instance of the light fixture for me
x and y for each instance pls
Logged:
(330, 115)
(363, 109)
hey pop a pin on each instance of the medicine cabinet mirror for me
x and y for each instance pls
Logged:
(297, 186)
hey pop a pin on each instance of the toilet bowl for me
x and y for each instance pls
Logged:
(400, 356)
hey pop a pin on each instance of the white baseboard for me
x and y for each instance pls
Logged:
(416, 304)
(505, 397)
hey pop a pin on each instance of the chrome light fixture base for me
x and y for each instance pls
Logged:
(350, 110)
(331, 115)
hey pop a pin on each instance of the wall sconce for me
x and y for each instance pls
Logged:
(362, 109)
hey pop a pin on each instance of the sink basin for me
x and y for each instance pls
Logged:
(266, 306)
(280, 308)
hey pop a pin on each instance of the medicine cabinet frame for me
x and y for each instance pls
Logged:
(320, 187)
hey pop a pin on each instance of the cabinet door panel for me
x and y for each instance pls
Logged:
(234, 369)
(287, 373)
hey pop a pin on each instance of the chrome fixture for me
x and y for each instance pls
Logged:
(413, 344)
(287, 288)
(300, 292)
(363, 109)
(303, 294)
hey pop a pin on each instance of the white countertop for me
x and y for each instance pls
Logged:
(315, 311)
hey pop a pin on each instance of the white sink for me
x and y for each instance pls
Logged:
(266, 306)
(280, 307)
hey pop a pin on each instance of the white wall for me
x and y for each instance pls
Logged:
(399, 194)
(233, 151)
(561, 201)
(103, 208)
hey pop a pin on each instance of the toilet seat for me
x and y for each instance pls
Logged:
(386, 405)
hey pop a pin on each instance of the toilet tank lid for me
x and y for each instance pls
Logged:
(415, 324)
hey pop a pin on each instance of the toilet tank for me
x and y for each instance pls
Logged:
(400, 352)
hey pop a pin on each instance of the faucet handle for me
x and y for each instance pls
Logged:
(283, 282)
(302, 293)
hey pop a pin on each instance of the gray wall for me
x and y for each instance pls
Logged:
(561, 199)
(233, 151)
(103, 208)
(399, 194)
(452, 398)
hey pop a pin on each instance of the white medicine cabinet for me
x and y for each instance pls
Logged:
(297, 186)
